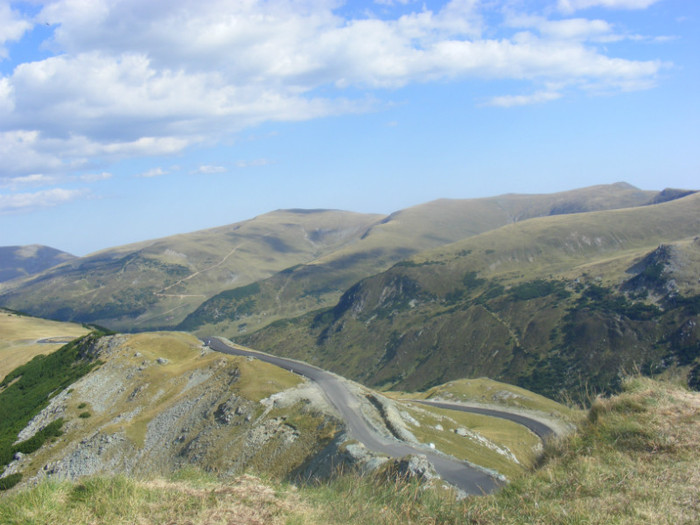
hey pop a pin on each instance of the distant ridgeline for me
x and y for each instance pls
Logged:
(560, 293)
(23, 261)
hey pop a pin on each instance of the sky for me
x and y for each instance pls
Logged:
(128, 120)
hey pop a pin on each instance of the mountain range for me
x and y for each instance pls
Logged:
(557, 292)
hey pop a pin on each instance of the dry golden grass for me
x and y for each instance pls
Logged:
(19, 335)
(636, 460)
(118, 500)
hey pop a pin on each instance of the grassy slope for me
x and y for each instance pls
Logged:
(635, 461)
(489, 392)
(449, 313)
(19, 335)
(157, 283)
(321, 282)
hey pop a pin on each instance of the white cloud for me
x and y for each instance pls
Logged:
(95, 177)
(35, 179)
(508, 101)
(569, 6)
(394, 2)
(19, 202)
(154, 172)
(12, 27)
(576, 29)
(134, 78)
(252, 163)
(207, 169)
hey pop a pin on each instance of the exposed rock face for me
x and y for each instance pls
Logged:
(151, 414)
(414, 467)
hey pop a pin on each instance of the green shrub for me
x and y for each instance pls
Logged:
(28, 388)
(10, 481)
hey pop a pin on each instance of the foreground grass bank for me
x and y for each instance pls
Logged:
(634, 460)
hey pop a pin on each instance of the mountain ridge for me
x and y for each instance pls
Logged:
(535, 298)
(21, 261)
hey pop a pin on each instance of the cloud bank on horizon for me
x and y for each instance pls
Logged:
(106, 80)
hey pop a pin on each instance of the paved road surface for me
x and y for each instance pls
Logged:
(461, 474)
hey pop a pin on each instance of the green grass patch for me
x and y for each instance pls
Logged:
(10, 481)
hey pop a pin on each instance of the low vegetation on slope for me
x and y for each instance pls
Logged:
(320, 283)
(320, 253)
(633, 461)
(28, 389)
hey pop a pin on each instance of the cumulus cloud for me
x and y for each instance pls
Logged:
(12, 27)
(19, 202)
(35, 179)
(134, 78)
(576, 29)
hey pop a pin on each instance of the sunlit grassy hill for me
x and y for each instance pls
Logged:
(559, 304)
(157, 283)
(321, 282)
(154, 403)
(300, 260)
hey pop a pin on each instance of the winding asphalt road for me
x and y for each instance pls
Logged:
(458, 473)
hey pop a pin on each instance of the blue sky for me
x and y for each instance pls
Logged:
(125, 120)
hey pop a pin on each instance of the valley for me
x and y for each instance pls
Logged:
(466, 345)
(157, 402)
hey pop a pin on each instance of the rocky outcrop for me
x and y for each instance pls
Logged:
(146, 414)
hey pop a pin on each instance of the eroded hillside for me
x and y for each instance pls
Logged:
(158, 402)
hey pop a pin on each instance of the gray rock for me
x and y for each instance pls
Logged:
(414, 466)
